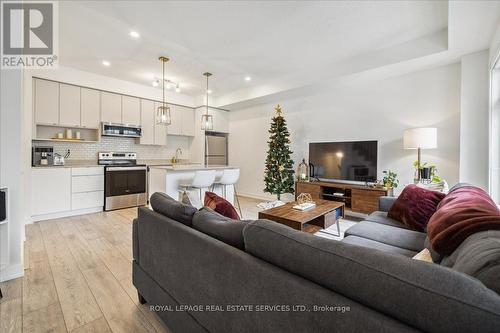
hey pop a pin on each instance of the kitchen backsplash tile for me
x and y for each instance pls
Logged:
(88, 151)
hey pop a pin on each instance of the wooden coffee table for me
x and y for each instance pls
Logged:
(322, 216)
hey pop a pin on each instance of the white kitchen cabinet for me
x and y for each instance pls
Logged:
(111, 107)
(69, 105)
(147, 122)
(160, 131)
(51, 190)
(175, 128)
(131, 110)
(86, 200)
(188, 121)
(87, 183)
(90, 108)
(46, 102)
(221, 121)
(87, 188)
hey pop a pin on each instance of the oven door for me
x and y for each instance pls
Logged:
(125, 180)
(125, 187)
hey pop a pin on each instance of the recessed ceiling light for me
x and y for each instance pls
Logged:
(134, 34)
(156, 83)
(209, 91)
(248, 78)
(106, 63)
(177, 89)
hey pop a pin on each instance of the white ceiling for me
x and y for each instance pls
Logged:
(271, 41)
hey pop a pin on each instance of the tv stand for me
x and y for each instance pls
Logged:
(357, 198)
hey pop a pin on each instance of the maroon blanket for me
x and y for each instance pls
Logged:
(461, 213)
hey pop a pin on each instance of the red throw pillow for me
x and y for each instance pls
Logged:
(415, 206)
(465, 211)
(220, 205)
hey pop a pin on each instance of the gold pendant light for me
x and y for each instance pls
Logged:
(163, 116)
(207, 121)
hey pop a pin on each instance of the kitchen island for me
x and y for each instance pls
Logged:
(168, 179)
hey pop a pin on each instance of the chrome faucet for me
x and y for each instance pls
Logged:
(178, 153)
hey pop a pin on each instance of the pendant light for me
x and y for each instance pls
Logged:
(207, 121)
(163, 112)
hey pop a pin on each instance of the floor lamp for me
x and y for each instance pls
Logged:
(420, 138)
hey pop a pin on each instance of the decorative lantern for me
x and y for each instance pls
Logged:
(303, 171)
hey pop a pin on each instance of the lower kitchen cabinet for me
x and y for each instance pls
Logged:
(59, 192)
(86, 200)
(51, 192)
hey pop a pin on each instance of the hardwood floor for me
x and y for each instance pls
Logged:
(78, 277)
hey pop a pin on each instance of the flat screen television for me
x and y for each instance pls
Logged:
(354, 161)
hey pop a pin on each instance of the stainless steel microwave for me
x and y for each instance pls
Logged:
(111, 129)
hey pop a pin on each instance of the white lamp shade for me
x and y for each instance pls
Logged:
(425, 138)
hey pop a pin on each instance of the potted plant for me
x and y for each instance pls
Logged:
(390, 181)
(428, 173)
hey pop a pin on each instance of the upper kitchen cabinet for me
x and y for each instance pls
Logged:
(147, 122)
(46, 102)
(69, 105)
(188, 121)
(221, 121)
(160, 130)
(175, 128)
(131, 110)
(90, 108)
(111, 107)
(182, 121)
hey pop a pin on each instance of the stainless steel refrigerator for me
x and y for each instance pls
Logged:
(215, 149)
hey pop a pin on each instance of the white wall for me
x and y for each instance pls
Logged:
(11, 171)
(474, 119)
(369, 110)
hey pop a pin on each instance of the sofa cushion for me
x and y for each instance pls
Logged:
(399, 237)
(465, 211)
(220, 227)
(478, 256)
(415, 206)
(165, 205)
(382, 218)
(220, 205)
(355, 240)
(426, 296)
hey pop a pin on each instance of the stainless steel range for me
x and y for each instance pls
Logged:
(124, 180)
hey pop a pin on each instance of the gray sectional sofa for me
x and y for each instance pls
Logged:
(202, 273)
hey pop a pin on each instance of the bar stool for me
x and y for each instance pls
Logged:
(229, 177)
(202, 179)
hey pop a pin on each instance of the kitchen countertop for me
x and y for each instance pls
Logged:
(193, 167)
(69, 163)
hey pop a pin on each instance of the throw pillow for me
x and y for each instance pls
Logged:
(220, 227)
(220, 205)
(466, 210)
(415, 206)
(165, 205)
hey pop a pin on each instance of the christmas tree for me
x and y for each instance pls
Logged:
(279, 166)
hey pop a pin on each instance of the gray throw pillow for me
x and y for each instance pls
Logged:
(479, 257)
(220, 227)
(165, 205)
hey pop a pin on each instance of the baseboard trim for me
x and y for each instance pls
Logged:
(37, 218)
(11, 272)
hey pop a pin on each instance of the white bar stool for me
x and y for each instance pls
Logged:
(229, 177)
(202, 179)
